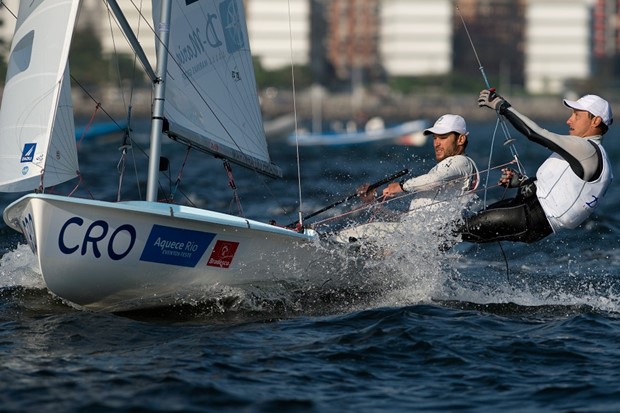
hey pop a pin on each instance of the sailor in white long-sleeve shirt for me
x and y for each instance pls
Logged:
(455, 173)
(451, 180)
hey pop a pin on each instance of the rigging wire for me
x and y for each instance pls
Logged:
(122, 161)
(508, 140)
(208, 105)
(290, 28)
(3, 4)
(98, 107)
(127, 137)
(403, 196)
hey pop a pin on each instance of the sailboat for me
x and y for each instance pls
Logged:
(137, 254)
(409, 133)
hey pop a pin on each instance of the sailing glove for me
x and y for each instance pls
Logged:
(513, 179)
(492, 100)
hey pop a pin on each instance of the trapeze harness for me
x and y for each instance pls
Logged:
(568, 187)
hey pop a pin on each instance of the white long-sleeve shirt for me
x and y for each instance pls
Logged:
(450, 178)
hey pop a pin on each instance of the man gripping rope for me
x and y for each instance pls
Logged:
(454, 174)
(452, 180)
(568, 186)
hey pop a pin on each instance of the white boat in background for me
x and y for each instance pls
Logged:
(407, 133)
(125, 255)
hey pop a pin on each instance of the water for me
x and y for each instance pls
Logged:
(475, 329)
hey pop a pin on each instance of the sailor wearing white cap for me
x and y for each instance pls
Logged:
(454, 174)
(568, 186)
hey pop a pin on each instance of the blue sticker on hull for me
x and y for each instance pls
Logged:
(174, 246)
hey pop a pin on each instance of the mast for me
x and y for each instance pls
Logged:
(157, 118)
(131, 37)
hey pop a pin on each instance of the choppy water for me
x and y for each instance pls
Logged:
(475, 329)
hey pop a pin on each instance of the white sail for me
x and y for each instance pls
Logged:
(128, 255)
(211, 95)
(36, 104)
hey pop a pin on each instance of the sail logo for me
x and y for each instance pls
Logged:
(233, 26)
(222, 254)
(197, 47)
(175, 246)
(28, 152)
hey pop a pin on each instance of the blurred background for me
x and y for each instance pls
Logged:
(398, 59)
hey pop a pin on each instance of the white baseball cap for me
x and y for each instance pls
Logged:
(448, 123)
(593, 104)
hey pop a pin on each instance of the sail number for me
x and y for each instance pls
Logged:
(97, 238)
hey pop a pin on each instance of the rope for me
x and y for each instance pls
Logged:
(508, 140)
(382, 201)
(80, 181)
(89, 124)
(233, 186)
(127, 136)
(177, 182)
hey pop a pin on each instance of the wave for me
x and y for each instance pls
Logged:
(559, 277)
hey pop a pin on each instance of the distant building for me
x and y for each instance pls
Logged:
(557, 44)
(272, 25)
(112, 39)
(352, 40)
(606, 38)
(416, 37)
(490, 33)
(543, 46)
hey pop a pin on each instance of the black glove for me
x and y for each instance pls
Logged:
(527, 188)
(490, 99)
(513, 179)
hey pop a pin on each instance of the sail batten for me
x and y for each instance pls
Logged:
(211, 93)
(203, 143)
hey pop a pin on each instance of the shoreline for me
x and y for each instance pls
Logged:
(339, 107)
(390, 107)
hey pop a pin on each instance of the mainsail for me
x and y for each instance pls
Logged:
(211, 95)
(36, 117)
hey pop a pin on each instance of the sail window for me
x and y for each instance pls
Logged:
(21, 56)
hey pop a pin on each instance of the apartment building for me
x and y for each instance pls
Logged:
(542, 45)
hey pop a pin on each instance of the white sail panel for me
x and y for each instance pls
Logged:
(36, 103)
(211, 95)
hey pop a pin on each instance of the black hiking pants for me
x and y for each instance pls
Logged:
(519, 219)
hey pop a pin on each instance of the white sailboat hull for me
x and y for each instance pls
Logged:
(407, 134)
(134, 255)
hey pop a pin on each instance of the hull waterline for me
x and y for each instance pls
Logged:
(122, 256)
